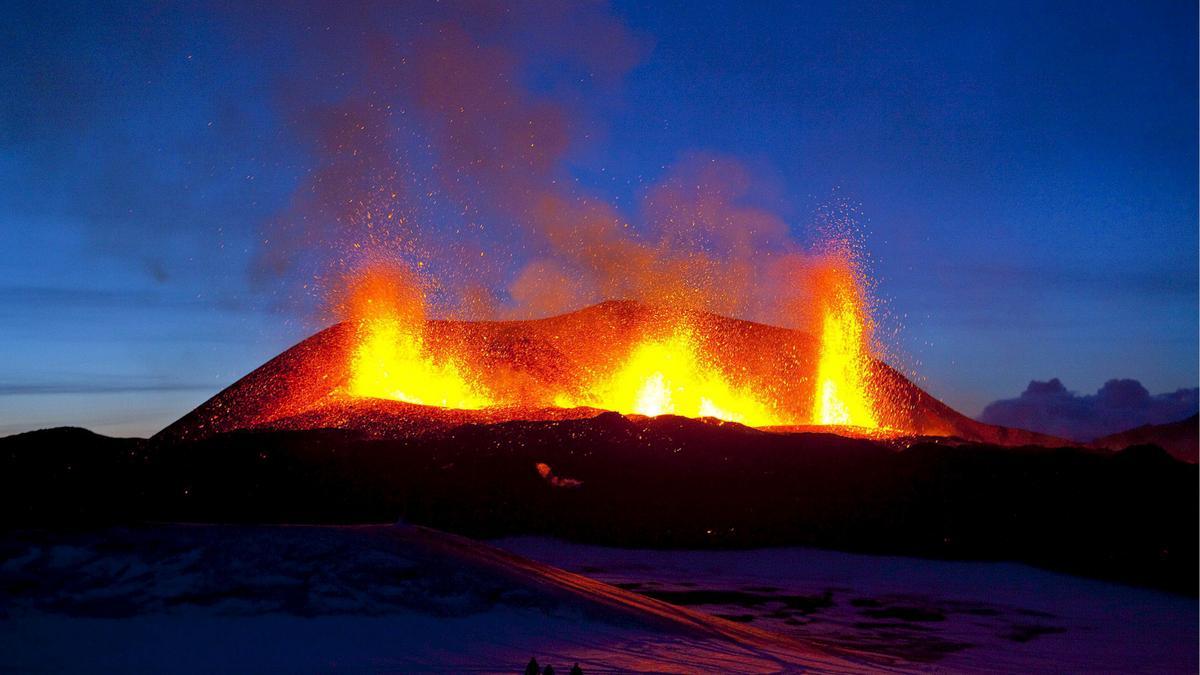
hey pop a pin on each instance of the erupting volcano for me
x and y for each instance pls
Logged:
(390, 371)
(666, 366)
(591, 334)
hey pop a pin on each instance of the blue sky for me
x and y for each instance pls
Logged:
(1024, 174)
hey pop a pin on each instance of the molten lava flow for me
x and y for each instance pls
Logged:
(665, 372)
(666, 376)
(391, 359)
(842, 394)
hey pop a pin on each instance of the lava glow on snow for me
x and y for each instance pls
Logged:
(665, 370)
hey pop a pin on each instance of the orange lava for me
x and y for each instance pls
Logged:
(681, 367)
(843, 397)
(669, 376)
(391, 359)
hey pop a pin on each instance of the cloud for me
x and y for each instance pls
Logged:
(1048, 407)
(63, 297)
(87, 383)
(433, 132)
(33, 389)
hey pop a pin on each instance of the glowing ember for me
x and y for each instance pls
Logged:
(842, 394)
(667, 376)
(391, 359)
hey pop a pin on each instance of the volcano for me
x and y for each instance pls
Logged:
(535, 361)
(295, 442)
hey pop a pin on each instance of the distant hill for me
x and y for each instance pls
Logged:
(1181, 439)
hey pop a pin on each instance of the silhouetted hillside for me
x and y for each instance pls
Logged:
(668, 481)
(1181, 439)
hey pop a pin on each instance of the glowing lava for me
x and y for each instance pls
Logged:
(667, 377)
(667, 371)
(843, 397)
(391, 359)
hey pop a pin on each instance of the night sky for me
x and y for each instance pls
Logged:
(1023, 174)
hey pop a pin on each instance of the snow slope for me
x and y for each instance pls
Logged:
(368, 598)
(949, 615)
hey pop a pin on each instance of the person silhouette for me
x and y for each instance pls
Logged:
(548, 671)
(533, 668)
(576, 670)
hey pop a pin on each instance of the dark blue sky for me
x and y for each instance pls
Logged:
(1025, 174)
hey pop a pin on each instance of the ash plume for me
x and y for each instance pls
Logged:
(441, 138)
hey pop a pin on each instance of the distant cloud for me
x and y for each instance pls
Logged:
(60, 298)
(1048, 407)
(68, 297)
(88, 384)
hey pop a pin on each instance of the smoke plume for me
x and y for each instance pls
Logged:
(440, 139)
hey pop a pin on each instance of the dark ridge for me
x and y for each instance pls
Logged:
(665, 482)
(1180, 439)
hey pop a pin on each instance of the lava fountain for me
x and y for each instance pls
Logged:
(679, 366)
(391, 359)
(843, 395)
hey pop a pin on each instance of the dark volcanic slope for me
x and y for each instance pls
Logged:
(539, 358)
(1181, 439)
(662, 482)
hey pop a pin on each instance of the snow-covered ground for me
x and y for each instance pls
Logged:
(404, 599)
(358, 599)
(952, 616)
